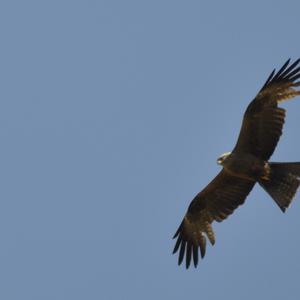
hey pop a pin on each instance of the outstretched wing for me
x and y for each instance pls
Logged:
(263, 119)
(215, 203)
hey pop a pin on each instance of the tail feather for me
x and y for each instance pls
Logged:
(282, 183)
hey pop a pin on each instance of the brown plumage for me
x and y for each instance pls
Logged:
(247, 164)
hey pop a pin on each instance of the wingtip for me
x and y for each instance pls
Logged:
(285, 64)
(177, 231)
(269, 78)
(181, 252)
(285, 72)
(195, 264)
(187, 265)
(297, 61)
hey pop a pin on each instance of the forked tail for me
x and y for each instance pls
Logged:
(282, 183)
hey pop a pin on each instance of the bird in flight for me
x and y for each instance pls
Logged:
(247, 164)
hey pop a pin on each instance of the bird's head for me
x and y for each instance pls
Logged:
(222, 158)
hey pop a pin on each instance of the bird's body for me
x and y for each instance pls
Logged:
(245, 166)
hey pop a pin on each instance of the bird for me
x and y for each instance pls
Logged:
(247, 164)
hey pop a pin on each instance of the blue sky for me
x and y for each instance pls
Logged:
(112, 115)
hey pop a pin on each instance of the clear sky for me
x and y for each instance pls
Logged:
(112, 115)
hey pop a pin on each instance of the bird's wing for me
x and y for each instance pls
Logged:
(263, 119)
(215, 203)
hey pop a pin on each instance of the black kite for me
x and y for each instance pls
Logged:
(247, 164)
